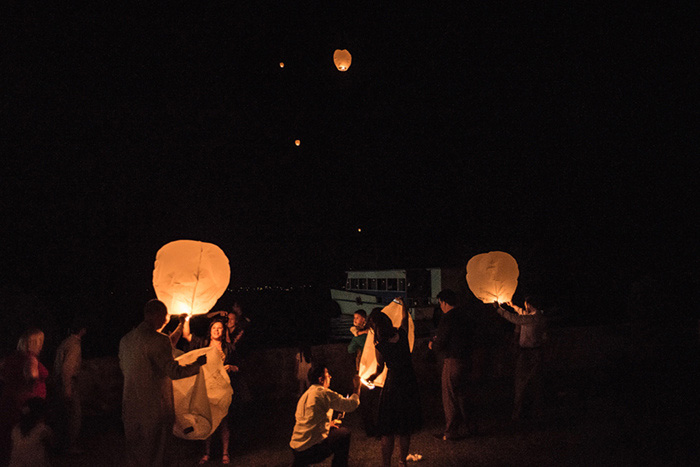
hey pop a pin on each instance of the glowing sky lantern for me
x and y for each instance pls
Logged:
(493, 276)
(297, 142)
(368, 361)
(342, 59)
(281, 64)
(190, 276)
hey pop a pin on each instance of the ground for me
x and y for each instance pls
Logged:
(638, 415)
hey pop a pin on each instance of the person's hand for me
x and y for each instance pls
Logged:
(202, 360)
(336, 423)
(182, 318)
(496, 305)
(231, 368)
(356, 384)
(399, 300)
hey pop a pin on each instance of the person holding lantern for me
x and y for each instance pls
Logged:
(146, 360)
(399, 406)
(528, 367)
(217, 337)
(23, 377)
(316, 436)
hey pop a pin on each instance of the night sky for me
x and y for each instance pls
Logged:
(563, 135)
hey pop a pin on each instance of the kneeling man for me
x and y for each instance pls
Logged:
(315, 435)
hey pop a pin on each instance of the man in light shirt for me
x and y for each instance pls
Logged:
(316, 436)
(146, 360)
(528, 368)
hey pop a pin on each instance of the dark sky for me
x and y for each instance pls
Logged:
(561, 134)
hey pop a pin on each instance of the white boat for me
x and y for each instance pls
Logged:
(367, 289)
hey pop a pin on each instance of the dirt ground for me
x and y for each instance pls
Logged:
(631, 415)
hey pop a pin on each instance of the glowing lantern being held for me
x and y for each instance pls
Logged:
(342, 59)
(190, 276)
(493, 276)
(368, 361)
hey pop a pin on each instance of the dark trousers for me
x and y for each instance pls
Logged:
(337, 444)
(455, 388)
(528, 382)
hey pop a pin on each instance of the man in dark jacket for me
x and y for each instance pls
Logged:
(453, 342)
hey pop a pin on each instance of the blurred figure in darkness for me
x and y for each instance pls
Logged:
(23, 377)
(31, 438)
(66, 368)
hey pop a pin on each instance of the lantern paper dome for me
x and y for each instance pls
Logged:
(342, 59)
(190, 276)
(493, 276)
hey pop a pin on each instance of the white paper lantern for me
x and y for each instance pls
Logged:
(190, 276)
(493, 276)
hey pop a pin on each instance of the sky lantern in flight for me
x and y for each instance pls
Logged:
(297, 142)
(190, 276)
(342, 59)
(493, 276)
(281, 64)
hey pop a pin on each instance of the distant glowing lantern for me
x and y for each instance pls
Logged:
(297, 142)
(190, 276)
(493, 276)
(342, 59)
(281, 64)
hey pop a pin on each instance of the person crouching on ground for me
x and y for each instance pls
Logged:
(316, 436)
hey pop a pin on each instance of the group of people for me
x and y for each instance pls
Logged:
(317, 435)
(461, 338)
(146, 357)
(30, 426)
